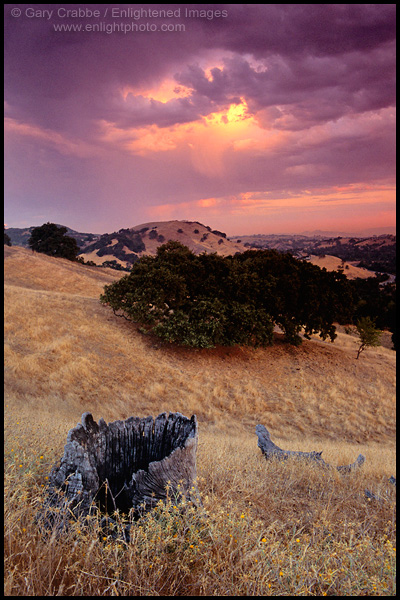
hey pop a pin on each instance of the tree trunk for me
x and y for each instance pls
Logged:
(361, 349)
(271, 450)
(124, 465)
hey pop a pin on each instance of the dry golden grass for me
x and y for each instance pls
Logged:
(333, 263)
(266, 528)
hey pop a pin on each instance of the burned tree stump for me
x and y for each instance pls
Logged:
(123, 465)
(271, 450)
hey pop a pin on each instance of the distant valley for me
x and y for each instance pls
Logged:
(357, 256)
(375, 253)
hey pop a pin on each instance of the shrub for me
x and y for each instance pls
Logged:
(113, 264)
(105, 250)
(134, 242)
(368, 333)
(216, 232)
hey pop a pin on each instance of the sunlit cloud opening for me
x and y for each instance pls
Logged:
(207, 139)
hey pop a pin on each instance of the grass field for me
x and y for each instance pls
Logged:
(266, 528)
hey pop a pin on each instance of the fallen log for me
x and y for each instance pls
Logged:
(124, 465)
(371, 496)
(271, 450)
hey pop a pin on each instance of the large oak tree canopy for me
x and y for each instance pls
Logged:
(208, 300)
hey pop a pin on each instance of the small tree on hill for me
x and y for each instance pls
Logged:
(51, 240)
(7, 241)
(368, 333)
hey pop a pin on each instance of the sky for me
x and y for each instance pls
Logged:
(249, 118)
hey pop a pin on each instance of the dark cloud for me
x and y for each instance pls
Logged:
(309, 88)
(67, 80)
(140, 111)
(341, 52)
(301, 29)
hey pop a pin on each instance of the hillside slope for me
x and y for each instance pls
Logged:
(32, 270)
(65, 353)
(266, 527)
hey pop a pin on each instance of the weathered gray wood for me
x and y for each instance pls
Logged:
(357, 463)
(271, 450)
(371, 496)
(125, 465)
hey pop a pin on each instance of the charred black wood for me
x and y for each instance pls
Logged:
(125, 465)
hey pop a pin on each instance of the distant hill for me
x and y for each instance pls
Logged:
(126, 246)
(333, 263)
(377, 253)
(375, 231)
(20, 236)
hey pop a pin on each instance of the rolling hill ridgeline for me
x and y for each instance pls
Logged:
(360, 257)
